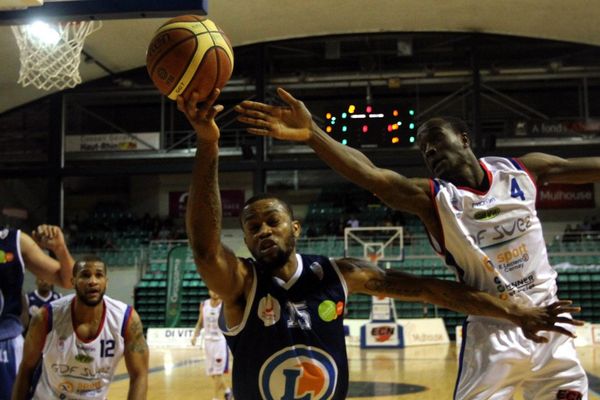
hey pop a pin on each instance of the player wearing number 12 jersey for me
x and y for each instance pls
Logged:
(79, 340)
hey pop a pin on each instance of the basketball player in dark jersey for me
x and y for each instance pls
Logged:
(282, 311)
(36, 299)
(17, 252)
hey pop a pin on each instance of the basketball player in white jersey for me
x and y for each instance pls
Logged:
(481, 217)
(79, 340)
(215, 346)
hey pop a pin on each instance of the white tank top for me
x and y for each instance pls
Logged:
(76, 369)
(210, 321)
(494, 240)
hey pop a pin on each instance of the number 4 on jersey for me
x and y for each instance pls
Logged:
(515, 190)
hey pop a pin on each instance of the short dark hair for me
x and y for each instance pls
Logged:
(80, 263)
(456, 124)
(264, 196)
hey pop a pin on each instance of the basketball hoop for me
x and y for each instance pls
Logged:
(374, 257)
(50, 54)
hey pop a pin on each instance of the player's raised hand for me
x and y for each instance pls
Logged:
(49, 237)
(546, 318)
(202, 115)
(293, 122)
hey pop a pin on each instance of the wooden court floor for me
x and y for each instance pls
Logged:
(425, 372)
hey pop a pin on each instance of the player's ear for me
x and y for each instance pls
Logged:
(296, 228)
(466, 141)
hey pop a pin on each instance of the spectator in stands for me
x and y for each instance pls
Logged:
(352, 222)
(567, 234)
(280, 307)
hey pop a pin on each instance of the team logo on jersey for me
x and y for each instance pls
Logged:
(84, 358)
(317, 269)
(513, 258)
(298, 373)
(269, 310)
(488, 201)
(66, 386)
(485, 215)
(329, 311)
(6, 257)
(3, 233)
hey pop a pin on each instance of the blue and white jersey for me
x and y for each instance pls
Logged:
(35, 301)
(11, 283)
(290, 343)
(78, 368)
(494, 239)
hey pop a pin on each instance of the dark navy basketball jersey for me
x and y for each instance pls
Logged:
(11, 283)
(35, 301)
(290, 344)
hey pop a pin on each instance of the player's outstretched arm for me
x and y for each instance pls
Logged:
(39, 263)
(294, 123)
(553, 169)
(364, 277)
(136, 358)
(218, 265)
(32, 354)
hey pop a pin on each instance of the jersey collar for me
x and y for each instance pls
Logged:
(287, 285)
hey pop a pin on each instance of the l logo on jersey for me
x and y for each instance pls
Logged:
(298, 373)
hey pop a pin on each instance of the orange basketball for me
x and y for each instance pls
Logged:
(189, 53)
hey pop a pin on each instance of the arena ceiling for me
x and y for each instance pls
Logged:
(121, 43)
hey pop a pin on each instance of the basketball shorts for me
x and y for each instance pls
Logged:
(496, 359)
(217, 357)
(11, 352)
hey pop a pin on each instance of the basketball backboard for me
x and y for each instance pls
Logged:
(375, 243)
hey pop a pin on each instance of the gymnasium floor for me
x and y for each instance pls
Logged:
(424, 372)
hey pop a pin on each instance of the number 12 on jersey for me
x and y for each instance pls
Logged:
(107, 348)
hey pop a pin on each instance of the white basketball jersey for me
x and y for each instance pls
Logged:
(210, 321)
(73, 368)
(494, 239)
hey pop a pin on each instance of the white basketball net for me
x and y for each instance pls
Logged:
(50, 54)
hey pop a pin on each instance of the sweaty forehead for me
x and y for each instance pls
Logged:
(261, 208)
(433, 128)
(91, 266)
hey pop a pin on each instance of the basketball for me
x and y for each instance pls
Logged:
(189, 53)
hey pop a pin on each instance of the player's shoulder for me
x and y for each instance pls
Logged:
(62, 302)
(496, 163)
(115, 304)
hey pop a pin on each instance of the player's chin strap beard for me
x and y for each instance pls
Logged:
(277, 263)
